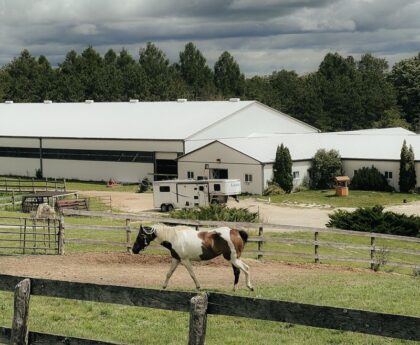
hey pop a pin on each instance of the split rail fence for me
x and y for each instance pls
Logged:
(30, 236)
(198, 305)
(372, 250)
(8, 185)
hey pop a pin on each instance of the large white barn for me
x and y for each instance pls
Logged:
(123, 141)
(251, 159)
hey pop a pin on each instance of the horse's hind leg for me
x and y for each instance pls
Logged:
(236, 273)
(189, 268)
(244, 268)
(174, 265)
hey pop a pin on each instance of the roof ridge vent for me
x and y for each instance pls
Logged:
(134, 100)
(47, 101)
(182, 100)
(8, 102)
(89, 101)
(234, 99)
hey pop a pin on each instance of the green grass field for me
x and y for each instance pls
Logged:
(356, 198)
(389, 293)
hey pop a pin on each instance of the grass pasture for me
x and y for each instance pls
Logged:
(389, 293)
(343, 285)
(356, 198)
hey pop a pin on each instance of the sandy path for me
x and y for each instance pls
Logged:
(270, 213)
(149, 270)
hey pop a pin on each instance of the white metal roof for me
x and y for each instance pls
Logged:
(304, 146)
(118, 120)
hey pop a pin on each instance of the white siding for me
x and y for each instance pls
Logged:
(97, 171)
(19, 166)
(301, 167)
(349, 166)
(235, 162)
(128, 145)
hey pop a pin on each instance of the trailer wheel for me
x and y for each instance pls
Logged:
(169, 208)
(163, 208)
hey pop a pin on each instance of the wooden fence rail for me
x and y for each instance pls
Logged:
(373, 251)
(8, 185)
(388, 325)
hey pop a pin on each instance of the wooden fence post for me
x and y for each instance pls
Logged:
(13, 199)
(372, 252)
(65, 188)
(128, 233)
(260, 242)
(198, 319)
(61, 236)
(21, 313)
(316, 246)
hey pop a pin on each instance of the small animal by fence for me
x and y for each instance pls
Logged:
(186, 245)
(44, 211)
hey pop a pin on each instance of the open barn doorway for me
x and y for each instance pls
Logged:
(166, 169)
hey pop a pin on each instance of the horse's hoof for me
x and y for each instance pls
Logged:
(163, 287)
(198, 288)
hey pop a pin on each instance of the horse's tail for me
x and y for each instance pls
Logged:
(244, 235)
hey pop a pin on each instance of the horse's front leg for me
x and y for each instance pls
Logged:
(189, 268)
(174, 265)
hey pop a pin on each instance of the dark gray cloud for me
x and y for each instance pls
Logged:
(263, 35)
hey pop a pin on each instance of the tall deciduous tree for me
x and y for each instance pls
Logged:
(342, 104)
(376, 91)
(24, 77)
(229, 80)
(406, 79)
(195, 72)
(282, 169)
(325, 166)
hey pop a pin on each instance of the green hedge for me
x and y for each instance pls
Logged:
(216, 212)
(369, 179)
(374, 219)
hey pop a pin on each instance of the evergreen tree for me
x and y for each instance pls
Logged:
(133, 77)
(229, 80)
(69, 85)
(195, 73)
(282, 169)
(407, 180)
(284, 90)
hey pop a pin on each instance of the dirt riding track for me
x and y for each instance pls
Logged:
(147, 270)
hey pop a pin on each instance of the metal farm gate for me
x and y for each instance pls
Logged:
(30, 236)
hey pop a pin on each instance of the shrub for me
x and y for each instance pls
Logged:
(216, 212)
(407, 180)
(374, 219)
(273, 189)
(325, 166)
(369, 179)
(144, 185)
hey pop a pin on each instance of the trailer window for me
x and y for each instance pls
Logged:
(201, 188)
(190, 174)
(217, 187)
(164, 189)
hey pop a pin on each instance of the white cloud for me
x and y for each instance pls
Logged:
(263, 35)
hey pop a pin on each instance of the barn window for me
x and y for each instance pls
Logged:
(164, 189)
(388, 174)
(190, 174)
(295, 174)
(22, 152)
(248, 177)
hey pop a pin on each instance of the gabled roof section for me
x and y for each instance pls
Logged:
(117, 120)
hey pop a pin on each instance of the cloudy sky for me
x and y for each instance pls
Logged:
(263, 35)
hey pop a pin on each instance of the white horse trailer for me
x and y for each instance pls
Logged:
(171, 194)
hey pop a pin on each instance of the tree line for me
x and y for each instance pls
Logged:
(343, 94)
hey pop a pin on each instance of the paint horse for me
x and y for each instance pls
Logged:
(186, 244)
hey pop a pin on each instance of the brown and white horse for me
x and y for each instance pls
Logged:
(186, 245)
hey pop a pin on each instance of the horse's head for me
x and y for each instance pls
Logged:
(146, 235)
